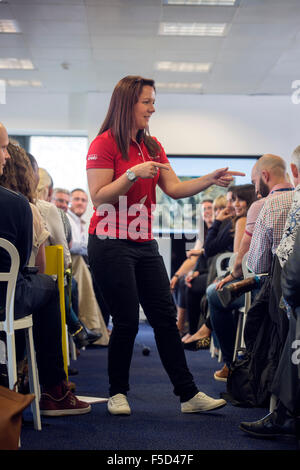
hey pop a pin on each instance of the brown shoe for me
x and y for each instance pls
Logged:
(222, 374)
(68, 404)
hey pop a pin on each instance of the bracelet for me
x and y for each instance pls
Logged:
(176, 275)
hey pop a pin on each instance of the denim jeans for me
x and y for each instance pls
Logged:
(223, 321)
(37, 294)
(131, 273)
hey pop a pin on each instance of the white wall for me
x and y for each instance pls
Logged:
(185, 124)
(192, 124)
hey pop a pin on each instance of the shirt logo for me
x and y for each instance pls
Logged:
(92, 157)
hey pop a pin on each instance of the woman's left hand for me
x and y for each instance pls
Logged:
(223, 177)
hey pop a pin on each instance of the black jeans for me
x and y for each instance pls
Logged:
(131, 273)
(37, 294)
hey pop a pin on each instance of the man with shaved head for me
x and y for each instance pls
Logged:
(270, 179)
(269, 226)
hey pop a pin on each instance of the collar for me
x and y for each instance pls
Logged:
(75, 217)
(282, 187)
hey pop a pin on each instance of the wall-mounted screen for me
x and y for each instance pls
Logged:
(183, 215)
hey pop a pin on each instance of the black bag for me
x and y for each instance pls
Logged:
(244, 386)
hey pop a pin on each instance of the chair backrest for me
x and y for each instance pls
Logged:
(10, 278)
(221, 261)
(55, 267)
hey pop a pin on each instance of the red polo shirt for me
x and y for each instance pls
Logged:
(130, 218)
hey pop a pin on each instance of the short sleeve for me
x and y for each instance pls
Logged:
(101, 153)
(162, 154)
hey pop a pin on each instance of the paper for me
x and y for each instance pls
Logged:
(92, 399)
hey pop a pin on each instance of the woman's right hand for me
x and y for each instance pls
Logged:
(224, 214)
(148, 169)
(190, 277)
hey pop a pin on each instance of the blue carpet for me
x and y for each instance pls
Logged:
(156, 422)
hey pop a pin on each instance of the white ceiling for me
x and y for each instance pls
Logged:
(100, 41)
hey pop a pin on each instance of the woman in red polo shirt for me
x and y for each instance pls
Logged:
(124, 165)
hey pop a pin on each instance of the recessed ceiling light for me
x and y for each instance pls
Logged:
(201, 2)
(9, 26)
(24, 83)
(192, 29)
(183, 66)
(179, 85)
(12, 63)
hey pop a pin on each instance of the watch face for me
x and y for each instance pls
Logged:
(130, 175)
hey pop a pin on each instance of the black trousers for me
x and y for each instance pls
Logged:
(132, 273)
(37, 294)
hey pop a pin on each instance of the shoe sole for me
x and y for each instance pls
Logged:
(220, 379)
(265, 436)
(119, 413)
(206, 409)
(75, 411)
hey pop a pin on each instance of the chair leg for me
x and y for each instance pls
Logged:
(33, 379)
(238, 335)
(72, 348)
(11, 360)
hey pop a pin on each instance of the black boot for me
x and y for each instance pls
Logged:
(80, 337)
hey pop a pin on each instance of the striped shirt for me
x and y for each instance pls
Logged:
(268, 231)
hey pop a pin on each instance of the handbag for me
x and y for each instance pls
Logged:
(12, 404)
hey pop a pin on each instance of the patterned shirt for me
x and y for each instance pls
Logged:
(286, 244)
(268, 231)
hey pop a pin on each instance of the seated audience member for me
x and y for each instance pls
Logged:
(285, 386)
(56, 223)
(242, 197)
(35, 294)
(177, 282)
(193, 288)
(284, 420)
(218, 240)
(277, 194)
(90, 300)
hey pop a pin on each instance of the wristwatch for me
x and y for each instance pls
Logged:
(131, 176)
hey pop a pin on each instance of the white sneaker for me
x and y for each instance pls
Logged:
(201, 402)
(118, 405)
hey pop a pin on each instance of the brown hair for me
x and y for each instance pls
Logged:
(18, 174)
(247, 193)
(119, 118)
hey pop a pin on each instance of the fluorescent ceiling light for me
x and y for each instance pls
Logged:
(192, 29)
(24, 83)
(201, 2)
(183, 66)
(12, 63)
(9, 26)
(179, 85)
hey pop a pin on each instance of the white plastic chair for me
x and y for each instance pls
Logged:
(10, 325)
(228, 255)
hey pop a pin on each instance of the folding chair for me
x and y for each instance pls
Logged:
(9, 325)
(55, 267)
